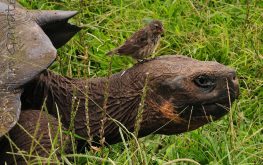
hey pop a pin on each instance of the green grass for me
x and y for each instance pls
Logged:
(228, 31)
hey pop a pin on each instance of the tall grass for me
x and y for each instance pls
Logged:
(228, 31)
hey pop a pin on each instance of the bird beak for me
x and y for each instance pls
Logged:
(162, 32)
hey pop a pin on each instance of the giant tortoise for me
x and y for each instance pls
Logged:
(167, 95)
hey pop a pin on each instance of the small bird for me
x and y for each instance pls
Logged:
(142, 43)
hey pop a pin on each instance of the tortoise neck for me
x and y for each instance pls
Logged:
(74, 98)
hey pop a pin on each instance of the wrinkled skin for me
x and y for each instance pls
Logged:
(174, 102)
(183, 94)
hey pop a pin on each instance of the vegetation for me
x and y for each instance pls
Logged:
(227, 31)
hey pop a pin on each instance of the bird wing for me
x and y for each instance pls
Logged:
(135, 42)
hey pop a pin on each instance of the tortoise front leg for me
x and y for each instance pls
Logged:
(37, 137)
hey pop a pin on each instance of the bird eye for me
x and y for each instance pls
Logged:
(156, 26)
(204, 81)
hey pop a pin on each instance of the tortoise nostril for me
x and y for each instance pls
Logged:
(233, 82)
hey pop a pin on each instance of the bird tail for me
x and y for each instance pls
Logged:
(110, 53)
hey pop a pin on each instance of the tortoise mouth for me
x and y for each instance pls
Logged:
(208, 111)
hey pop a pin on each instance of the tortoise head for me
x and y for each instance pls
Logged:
(25, 52)
(184, 94)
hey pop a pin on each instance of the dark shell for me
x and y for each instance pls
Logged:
(55, 25)
(25, 52)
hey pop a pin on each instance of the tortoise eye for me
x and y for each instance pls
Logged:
(204, 81)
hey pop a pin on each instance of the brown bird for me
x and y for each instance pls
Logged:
(142, 43)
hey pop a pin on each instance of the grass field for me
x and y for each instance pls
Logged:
(227, 31)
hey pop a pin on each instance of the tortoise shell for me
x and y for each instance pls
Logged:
(28, 42)
(25, 51)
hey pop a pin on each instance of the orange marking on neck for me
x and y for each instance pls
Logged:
(167, 109)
